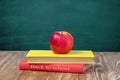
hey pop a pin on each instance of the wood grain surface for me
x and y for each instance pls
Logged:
(107, 67)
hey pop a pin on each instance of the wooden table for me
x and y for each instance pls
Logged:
(107, 67)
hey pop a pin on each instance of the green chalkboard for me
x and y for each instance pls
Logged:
(28, 24)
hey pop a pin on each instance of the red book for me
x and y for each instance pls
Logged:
(71, 68)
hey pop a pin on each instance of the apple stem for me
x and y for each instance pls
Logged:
(62, 32)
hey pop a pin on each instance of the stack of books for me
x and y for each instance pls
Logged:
(76, 61)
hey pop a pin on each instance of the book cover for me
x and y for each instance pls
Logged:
(48, 56)
(69, 68)
(50, 53)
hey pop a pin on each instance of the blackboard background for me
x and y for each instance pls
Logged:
(27, 24)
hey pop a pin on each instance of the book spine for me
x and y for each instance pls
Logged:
(75, 68)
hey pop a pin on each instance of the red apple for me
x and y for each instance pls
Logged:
(61, 42)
